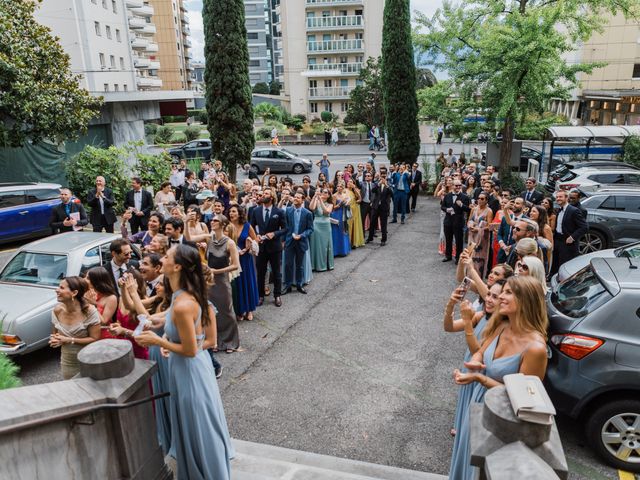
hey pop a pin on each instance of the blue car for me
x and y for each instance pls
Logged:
(25, 209)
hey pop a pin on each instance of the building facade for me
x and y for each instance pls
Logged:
(609, 95)
(257, 22)
(325, 43)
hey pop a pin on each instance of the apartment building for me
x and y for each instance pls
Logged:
(324, 46)
(112, 47)
(609, 95)
(257, 22)
(174, 44)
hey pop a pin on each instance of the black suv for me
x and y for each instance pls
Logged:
(594, 356)
(196, 149)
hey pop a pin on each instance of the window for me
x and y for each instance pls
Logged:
(42, 194)
(636, 71)
(632, 178)
(97, 26)
(107, 29)
(607, 178)
(252, 35)
(112, 61)
(104, 3)
(125, 87)
(580, 294)
(36, 268)
(328, 83)
(101, 56)
(116, 87)
(313, 84)
(114, 6)
(121, 63)
(118, 37)
(254, 63)
(313, 107)
(91, 259)
(106, 87)
(12, 199)
(328, 107)
(344, 106)
(629, 204)
(608, 204)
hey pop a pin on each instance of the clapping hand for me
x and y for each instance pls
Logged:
(463, 378)
(474, 365)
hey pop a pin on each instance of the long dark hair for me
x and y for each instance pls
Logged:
(192, 279)
(101, 281)
(543, 218)
(81, 286)
(242, 215)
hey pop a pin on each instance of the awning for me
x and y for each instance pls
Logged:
(607, 131)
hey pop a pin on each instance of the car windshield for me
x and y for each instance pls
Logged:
(630, 251)
(580, 294)
(35, 268)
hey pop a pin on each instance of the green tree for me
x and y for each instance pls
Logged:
(399, 83)
(267, 111)
(631, 152)
(39, 96)
(261, 87)
(228, 91)
(274, 87)
(365, 105)
(425, 78)
(507, 58)
(433, 105)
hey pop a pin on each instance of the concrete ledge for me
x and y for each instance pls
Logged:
(255, 461)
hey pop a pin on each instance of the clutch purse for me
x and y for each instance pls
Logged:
(529, 399)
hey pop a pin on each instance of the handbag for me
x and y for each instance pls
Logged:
(529, 399)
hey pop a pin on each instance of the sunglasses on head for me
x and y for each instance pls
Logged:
(523, 266)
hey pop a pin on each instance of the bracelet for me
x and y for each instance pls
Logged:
(468, 334)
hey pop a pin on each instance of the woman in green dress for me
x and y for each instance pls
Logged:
(321, 242)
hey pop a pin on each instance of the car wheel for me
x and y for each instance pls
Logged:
(254, 169)
(613, 430)
(298, 169)
(592, 241)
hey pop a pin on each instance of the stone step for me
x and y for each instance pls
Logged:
(256, 461)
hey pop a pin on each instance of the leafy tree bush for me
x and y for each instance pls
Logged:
(163, 134)
(174, 118)
(267, 111)
(534, 126)
(301, 116)
(261, 87)
(513, 181)
(8, 373)
(202, 117)
(192, 132)
(326, 116)
(263, 133)
(153, 169)
(365, 105)
(631, 152)
(274, 87)
(150, 128)
(179, 137)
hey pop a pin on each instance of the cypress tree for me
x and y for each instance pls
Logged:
(399, 83)
(228, 91)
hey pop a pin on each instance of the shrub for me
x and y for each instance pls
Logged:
(267, 111)
(179, 137)
(295, 123)
(202, 117)
(8, 373)
(163, 134)
(534, 126)
(263, 133)
(192, 132)
(261, 87)
(84, 167)
(301, 116)
(326, 116)
(150, 128)
(174, 118)
(153, 169)
(274, 87)
(631, 151)
(514, 182)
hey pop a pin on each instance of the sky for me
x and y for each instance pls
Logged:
(194, 7)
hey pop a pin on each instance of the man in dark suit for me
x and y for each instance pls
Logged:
(296, 242)
(270, 225)
(570, 226)
(309, 190)
(455, 204)
(174, 230)
(68, 216)
(415, 179)
(381, 196)
(140, 203)
(531, 194)
(121, 251)
(366, 192)
(100, 199)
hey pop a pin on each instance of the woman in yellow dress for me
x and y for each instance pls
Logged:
(356, 234)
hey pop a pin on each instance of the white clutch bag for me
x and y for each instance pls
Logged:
(529, 399)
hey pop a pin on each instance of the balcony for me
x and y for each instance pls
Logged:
(184, 19)
(333, 70)
(322, 46)
(335, 3)
(188, 54)
(134, 3)
(149, 29)
(321, 93)
(139, 43)
(144, 11)
(141, 62)
(148, 82)
(152, 47)
(188, 66)
(342, 22)
(187, 42)
(136, 23)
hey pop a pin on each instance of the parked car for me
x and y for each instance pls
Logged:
(593, 372)
(196, 149)
(613, 215)
(567, 269)
(28, 282)
(25, 209)
(278, 159)
(592, 178)
(565, 167)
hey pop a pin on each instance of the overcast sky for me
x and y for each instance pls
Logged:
(427, 7)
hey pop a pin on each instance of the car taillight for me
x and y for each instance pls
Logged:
(576, 346)
(569, 186)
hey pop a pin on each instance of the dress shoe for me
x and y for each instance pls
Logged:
(448, 259)
(382, 244)
(278, 302)
(368, 241)
(301, 290)
(287, 290)
(401, 222)
(260, 301)
(393, 221)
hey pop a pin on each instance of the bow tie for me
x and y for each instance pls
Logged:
(174, 242)
(150, 285)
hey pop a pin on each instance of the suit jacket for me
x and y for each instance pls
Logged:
(400, 177)
(184, 241)
(573, 223)
(305, 229)
(146, 205)
(59, 214)
(310, 192)
(277, 224)
(536, 197)
(381, 197)
(457, 219)
(417, 180)
(94, 203)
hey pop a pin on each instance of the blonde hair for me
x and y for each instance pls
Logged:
(536, 270)
(528, 246)
(532, 309)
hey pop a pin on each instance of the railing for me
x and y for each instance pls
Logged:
(334, 45)
(335, 22)
(325, 3)
(144, 11)
(148, 82)
(330, 92)
(342, 68)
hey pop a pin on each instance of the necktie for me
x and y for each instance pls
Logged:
(266, 215)
(528, 196)
(122, 271)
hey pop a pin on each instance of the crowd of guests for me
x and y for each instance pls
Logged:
(505, 245)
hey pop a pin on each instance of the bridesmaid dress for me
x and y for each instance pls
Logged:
(340, 233)
(199, 432)
(321, 245)
(160, 383)
(247, 282)
(461, 469)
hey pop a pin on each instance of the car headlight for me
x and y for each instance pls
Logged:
(9, 339)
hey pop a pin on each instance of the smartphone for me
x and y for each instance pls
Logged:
(464, 286)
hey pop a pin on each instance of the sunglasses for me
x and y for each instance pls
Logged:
(523, 266)
(455, 185)
(517, 229)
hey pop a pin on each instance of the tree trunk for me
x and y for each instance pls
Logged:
(506, 147)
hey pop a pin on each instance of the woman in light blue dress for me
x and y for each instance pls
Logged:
(200, 437)
(511, 346)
